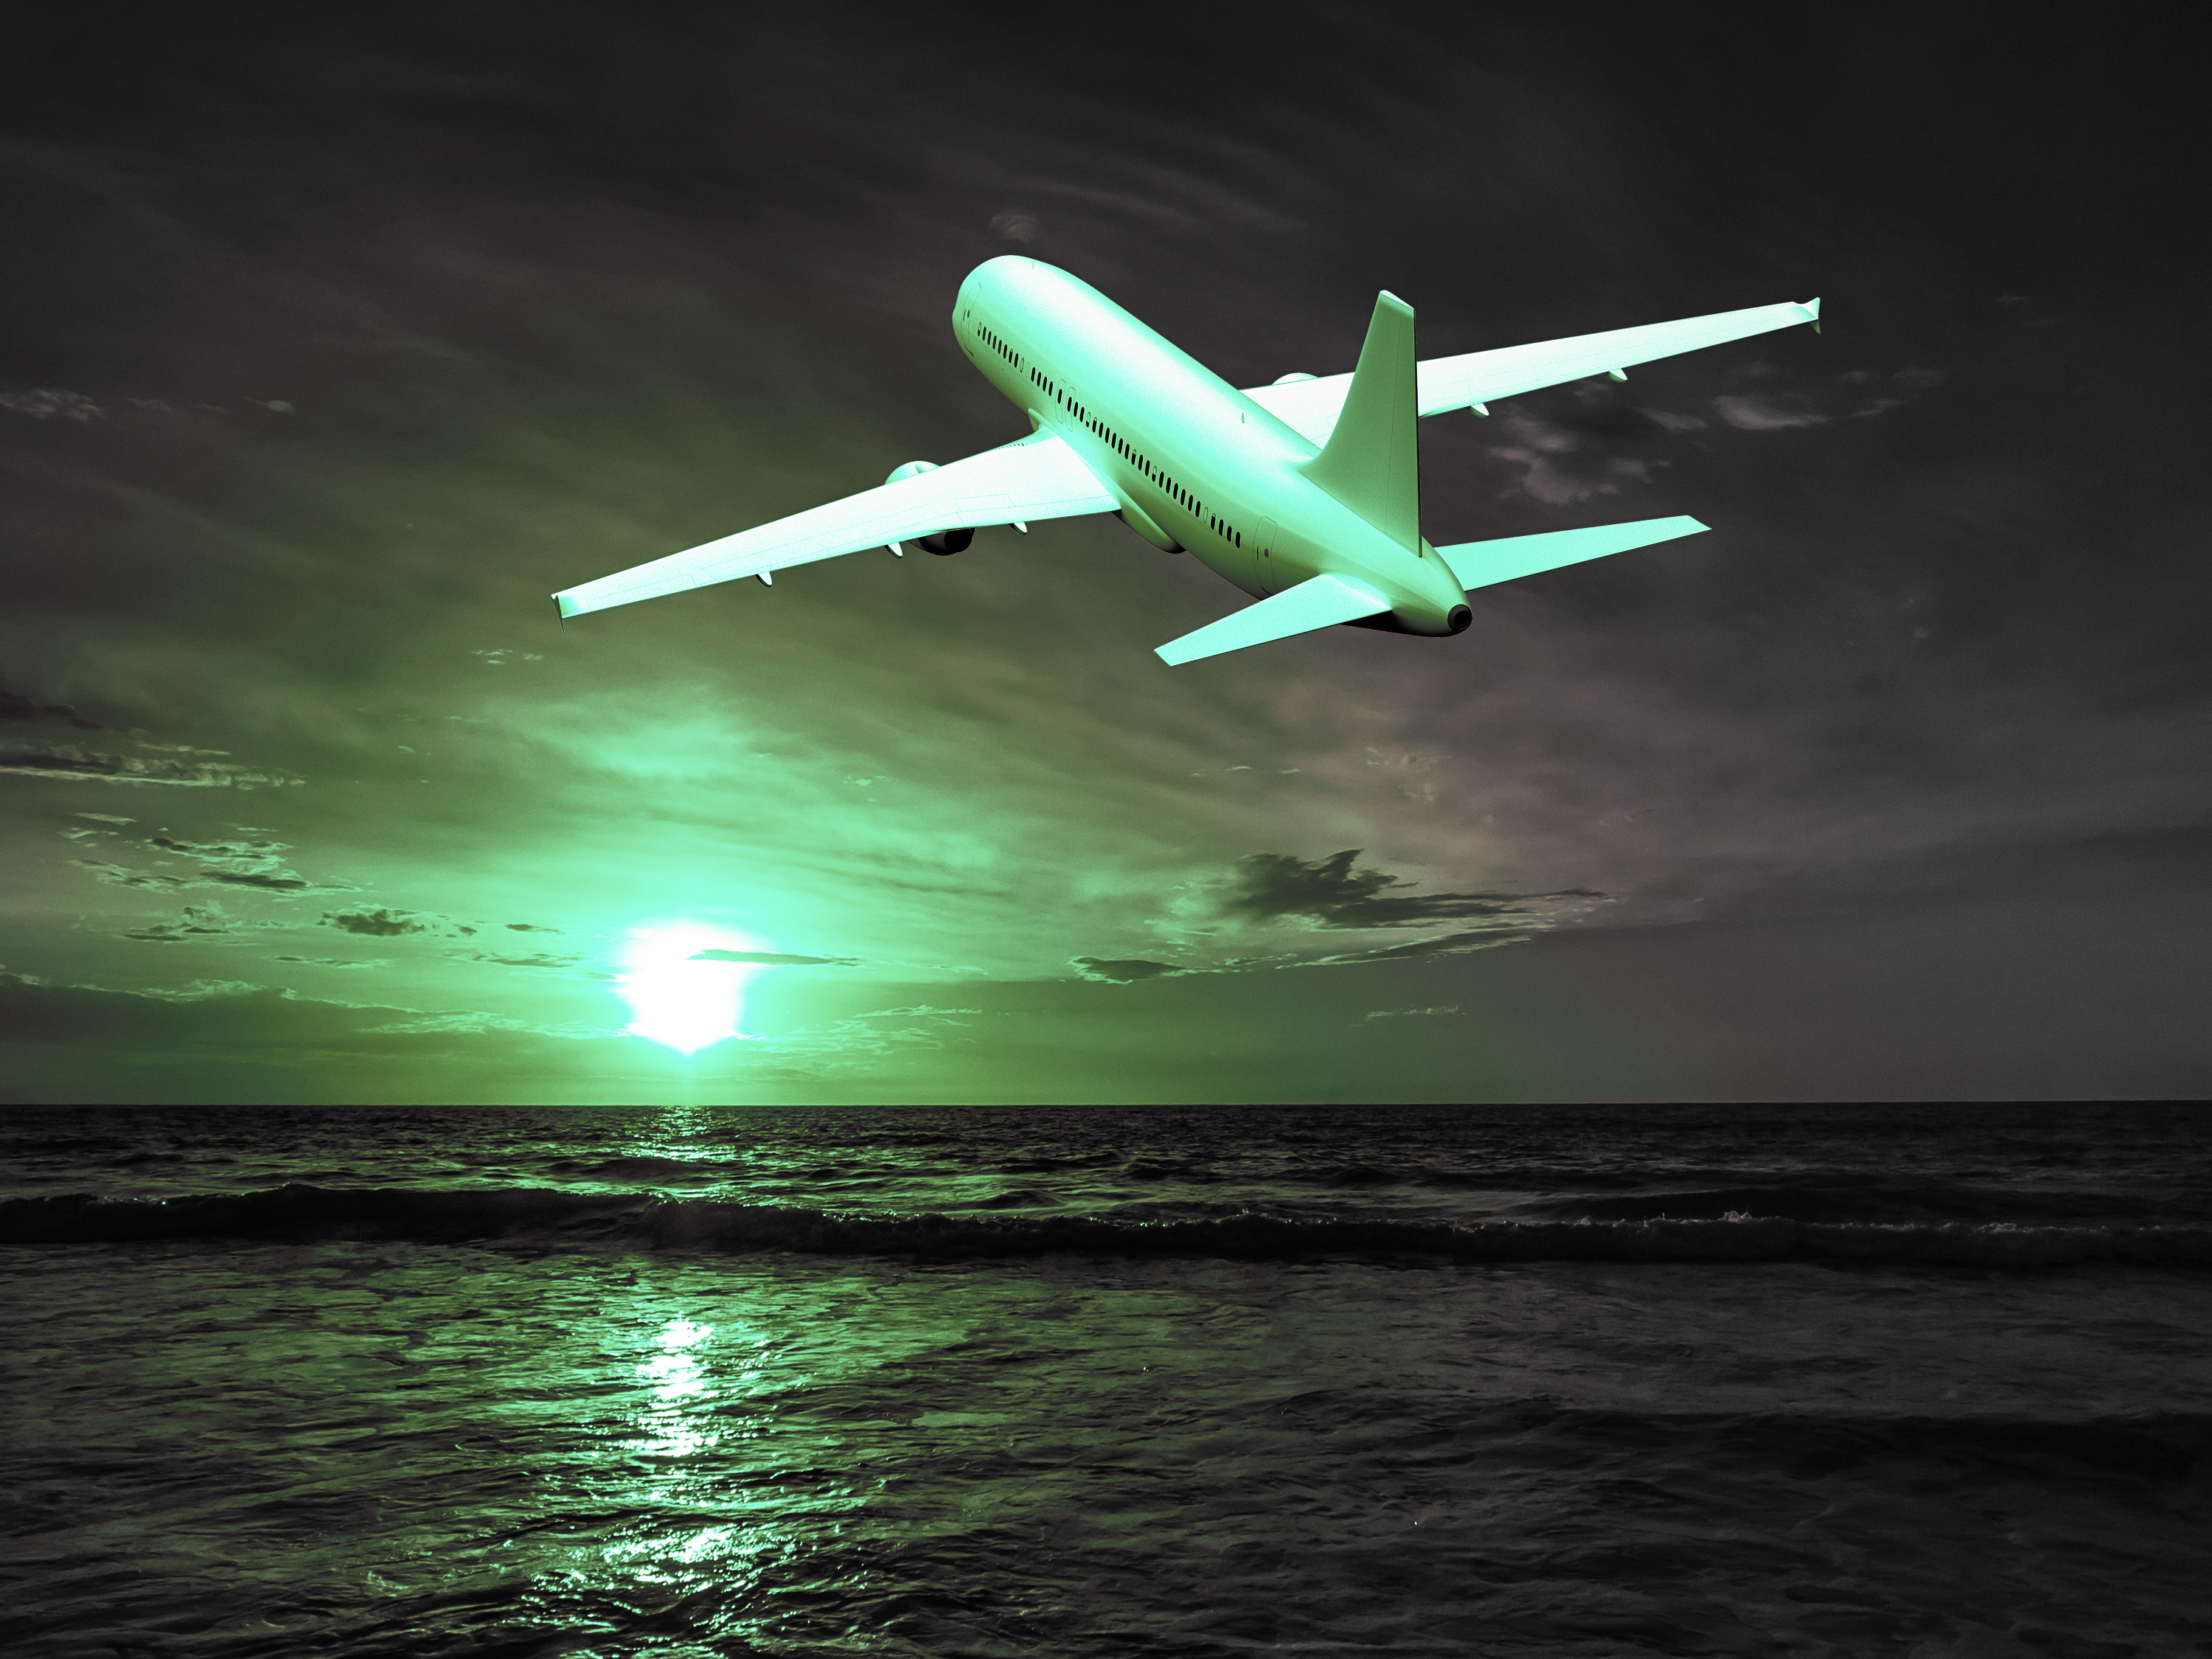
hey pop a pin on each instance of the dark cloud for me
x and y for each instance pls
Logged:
(1126, 971)
(1334, 893)
(198, 921)
(209, 851)
(773, 959)
(377, 924)
(14, 706)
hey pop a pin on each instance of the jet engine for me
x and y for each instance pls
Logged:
(945, 542)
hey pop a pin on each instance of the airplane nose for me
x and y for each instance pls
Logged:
(1459, 618)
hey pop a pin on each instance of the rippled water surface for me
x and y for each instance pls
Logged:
(1822, 1381)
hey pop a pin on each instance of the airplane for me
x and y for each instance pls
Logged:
(1305, 494)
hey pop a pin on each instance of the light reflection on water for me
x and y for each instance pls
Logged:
(679, 1380)
(672, 1551)
(674, 1499)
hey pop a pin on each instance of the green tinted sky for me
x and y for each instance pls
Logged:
(334, 348)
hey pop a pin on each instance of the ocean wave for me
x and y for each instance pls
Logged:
(1643, 1193)
(652, 1220)
(1857, 1199)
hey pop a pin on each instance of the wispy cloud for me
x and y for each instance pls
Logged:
(859, 1038)
(123, 875)
(250, 864)
(540, 960)
(44, 403)
(473, 1023)
(68, 763)
(1559, 464)
(1769, 412)
(773, 959)
(1512, 931)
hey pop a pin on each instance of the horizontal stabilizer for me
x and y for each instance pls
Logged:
(1319, 602)
(1038, 477)
(1480, 564)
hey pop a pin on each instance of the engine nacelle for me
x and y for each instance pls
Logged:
(945, 542)
(1290, 379)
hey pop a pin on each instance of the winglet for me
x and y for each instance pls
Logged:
(1814, 306)
(564, 607)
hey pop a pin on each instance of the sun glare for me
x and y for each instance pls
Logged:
(686, 1004)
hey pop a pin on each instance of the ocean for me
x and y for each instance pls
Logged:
(1558, 1380)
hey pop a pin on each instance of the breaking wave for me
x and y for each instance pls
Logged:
(649, 1220)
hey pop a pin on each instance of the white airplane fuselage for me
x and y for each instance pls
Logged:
(1196, 465)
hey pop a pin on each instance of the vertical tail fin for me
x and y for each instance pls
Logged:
(1371, 462)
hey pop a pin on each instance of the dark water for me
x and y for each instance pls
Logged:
(1560, 1381)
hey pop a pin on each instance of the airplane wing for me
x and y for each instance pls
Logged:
(1317, 602)
(1309, 407)
(1038, 477)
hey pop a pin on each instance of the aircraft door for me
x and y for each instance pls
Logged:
(1265, 559)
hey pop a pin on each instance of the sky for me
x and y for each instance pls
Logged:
(332, 345)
